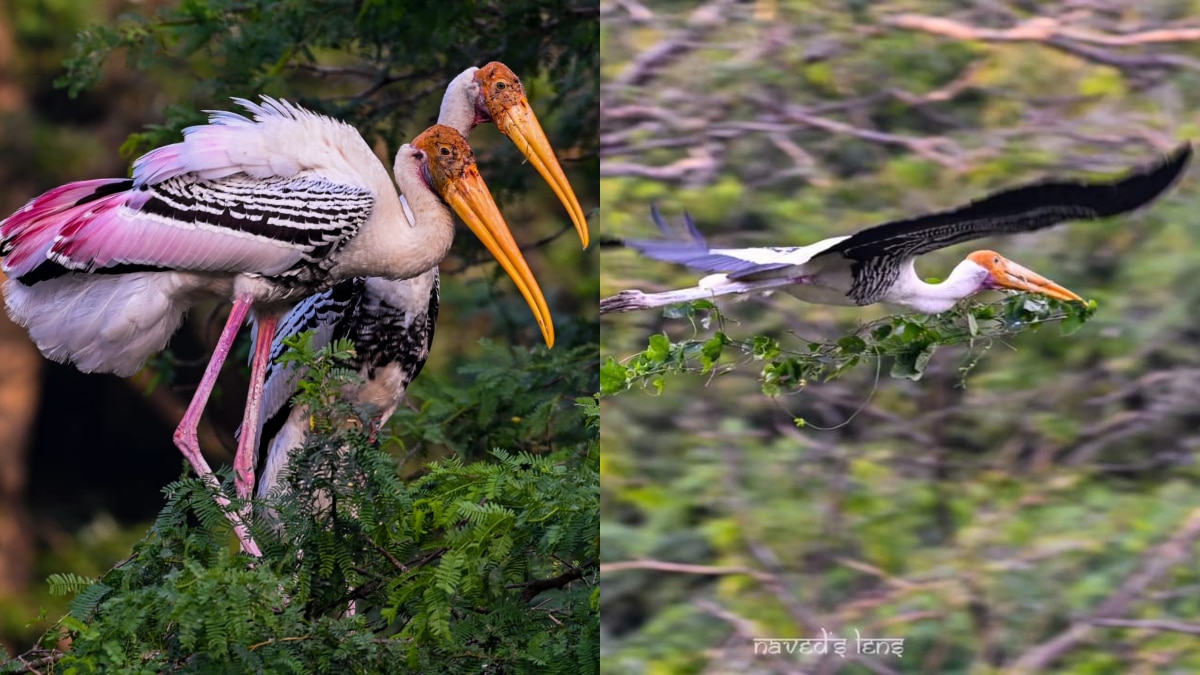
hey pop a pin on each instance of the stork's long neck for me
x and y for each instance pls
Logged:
(911, 291)
(392, 247)
(458, 103)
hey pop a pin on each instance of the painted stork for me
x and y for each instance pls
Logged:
(390, 322)
(876, 264)
(262, 211)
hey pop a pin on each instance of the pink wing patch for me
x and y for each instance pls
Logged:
(230, 197)
(119, 234)
(29, 234)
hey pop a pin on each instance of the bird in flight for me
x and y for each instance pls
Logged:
(876, 264)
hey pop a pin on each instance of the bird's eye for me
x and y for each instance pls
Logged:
(501, 85)
(996, 260)
(445, 151)
(419, 154)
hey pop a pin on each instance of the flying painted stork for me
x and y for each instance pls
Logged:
(391, 323)
(876, 264)
(263, 211)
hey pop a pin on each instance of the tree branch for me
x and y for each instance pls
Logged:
(1037, 29)
(1151, 624)
(1154, 564)
(683, 568)
(532, 588)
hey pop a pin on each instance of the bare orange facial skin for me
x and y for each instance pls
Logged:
(454, 176)
(503, 97)
(1008, 274)
(500, 88)
(449, 155)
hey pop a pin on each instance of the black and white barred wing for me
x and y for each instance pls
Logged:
(262, 196)
(326, 314)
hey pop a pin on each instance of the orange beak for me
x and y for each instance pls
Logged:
(1010, 275)
(472, 201)
(504, 97)
(455, 177)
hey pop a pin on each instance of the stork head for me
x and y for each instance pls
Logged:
(448, 167)
(501, 99)
(1002, 273)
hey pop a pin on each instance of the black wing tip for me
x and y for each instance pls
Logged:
(1181, 154)
(1171, 166)
(1142, 185)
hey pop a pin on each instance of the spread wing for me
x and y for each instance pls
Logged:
(260, 196)
(1023, 209)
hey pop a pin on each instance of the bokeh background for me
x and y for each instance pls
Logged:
(1038, 513)
(83, 458)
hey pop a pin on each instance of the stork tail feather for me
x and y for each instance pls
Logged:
(100, 323)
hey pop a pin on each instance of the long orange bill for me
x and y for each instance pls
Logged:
(1008, 274)
(504, 97)
(470, 198)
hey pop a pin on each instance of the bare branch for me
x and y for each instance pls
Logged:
(647, 64)
(1038, 29)
(682, 568)
(1154, 564)
(1151, 624)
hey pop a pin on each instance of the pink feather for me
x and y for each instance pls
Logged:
(31, 232)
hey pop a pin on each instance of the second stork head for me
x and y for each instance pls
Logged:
(494, 93)
(444, 161)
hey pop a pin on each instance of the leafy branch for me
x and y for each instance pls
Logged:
(908, 340)
(502, 551)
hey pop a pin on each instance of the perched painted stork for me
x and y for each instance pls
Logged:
(876, 264)
(391, 322)
(263, 211)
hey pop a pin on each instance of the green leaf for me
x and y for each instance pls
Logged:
(911, 364)
(659, 348)
(1071, 324)
(852, 344)
(614, 377)
(711, 352)
(763, 347)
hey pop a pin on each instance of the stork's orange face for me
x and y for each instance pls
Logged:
(450, 167)
(1008, 274)
(503, 97)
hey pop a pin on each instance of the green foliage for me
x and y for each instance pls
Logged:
(504, 403)
(909, 341)
(472, 565)
(374, 64)
(68, 584)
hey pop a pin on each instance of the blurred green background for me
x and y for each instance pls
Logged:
(1039, 514)
(83, 458)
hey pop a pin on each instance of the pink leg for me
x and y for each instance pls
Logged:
(186, 434)
(243, 463)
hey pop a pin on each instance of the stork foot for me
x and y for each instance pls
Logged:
(191, 451)
(236, 518)
(625, 301)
